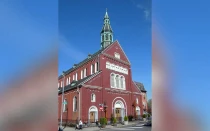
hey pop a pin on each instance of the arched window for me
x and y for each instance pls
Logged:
(85, 72)
(65, 105)
(124, 83)
(93, 98)
(81, 74)
(67, 81)
(75, 104)
(107, 37)
(117, 55)
(112, 80)
(117, 81)
(76, 77)
(92, 69)
(121, 82)
(102, 37)
(137, 101)
(108, 65)
(96, 67)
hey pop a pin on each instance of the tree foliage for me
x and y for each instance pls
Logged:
(149, 104)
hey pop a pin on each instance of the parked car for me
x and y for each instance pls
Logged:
(148, 122)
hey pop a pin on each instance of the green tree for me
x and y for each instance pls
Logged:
(149, 105)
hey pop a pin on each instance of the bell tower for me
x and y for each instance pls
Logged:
(106, 32)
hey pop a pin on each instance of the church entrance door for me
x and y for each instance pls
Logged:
(118, 112)
(92, 117)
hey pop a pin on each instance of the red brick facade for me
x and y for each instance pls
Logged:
(99, 83)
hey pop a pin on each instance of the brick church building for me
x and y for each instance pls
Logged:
(101, 84)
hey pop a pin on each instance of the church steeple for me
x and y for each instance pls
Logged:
(106, 32)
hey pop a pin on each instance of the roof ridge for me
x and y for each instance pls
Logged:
(85, 60)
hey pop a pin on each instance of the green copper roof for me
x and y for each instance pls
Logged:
(82, 63)
(73, 85)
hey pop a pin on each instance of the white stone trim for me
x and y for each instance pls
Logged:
(94, 109)
(91, 86)
(137, 93)
(124, 103)
(116, 68)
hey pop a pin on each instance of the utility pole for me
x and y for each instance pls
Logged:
(62, 98)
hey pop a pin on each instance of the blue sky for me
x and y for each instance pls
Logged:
(80, 23)
(27, 32)
(185, 25)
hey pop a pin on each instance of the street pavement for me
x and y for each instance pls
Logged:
(138, 127)
(131, 127)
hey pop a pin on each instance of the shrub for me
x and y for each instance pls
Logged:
(103, 121)
(114, 120)
(148, 115)
(144, 115)
(130, 117)
(125, 118)
(71, 124)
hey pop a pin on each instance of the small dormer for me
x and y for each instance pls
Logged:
(74, 65)
(89, 56)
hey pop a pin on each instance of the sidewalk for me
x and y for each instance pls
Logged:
(107, 127)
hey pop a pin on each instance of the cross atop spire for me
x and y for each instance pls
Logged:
(106, 33)
(106, 15)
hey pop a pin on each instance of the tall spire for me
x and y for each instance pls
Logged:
(106, 32)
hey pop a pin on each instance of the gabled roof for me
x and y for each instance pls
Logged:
(140, 86)
(121, 49)
(84, 61)
(75, 84)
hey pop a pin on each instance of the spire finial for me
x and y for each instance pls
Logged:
(106, 14)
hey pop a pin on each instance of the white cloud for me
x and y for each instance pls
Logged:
(67, 48)
(146, 10)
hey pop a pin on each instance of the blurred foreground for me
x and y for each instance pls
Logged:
(167, 116)
(30, 103)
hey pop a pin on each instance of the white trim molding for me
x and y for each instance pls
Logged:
(116, 68)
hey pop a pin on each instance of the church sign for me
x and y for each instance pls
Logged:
(116, 68)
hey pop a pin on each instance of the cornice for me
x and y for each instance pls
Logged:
(137, 93)
(92, 87)
(117, 90)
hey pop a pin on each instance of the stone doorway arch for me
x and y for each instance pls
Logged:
(119, 110)
(92, 114)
